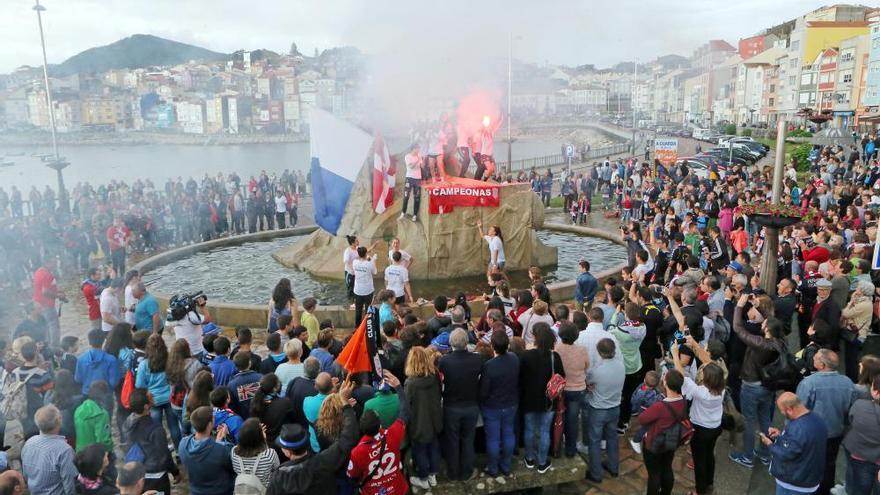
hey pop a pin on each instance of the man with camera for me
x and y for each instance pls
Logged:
(184, 312)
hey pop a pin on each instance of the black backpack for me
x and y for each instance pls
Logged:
(680, 433)
(783, 373)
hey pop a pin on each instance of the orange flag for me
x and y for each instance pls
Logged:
(355, 356)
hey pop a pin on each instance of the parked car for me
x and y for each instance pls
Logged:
(699, 166)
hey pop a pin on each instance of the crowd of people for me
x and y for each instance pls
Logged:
(681, 346)
(117, 217)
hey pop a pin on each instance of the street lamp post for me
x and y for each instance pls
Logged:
(57, 163)
(509, 96)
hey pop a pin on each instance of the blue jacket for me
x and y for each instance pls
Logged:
(156, 383)
(499, 382)
(230, 419)
(96, 364)
(222, 369)
(585, 288)
(828, 394)
(798, 454)
(208, 465)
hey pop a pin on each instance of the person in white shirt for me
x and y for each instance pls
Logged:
(595, 331)
(538, 313)
(111, 312)
(132, 278)
(364, 268)
(189, 328)
(413, 185)
(280, 208)
(348, 258)
(496, 246)
(406, 259)
(397, 279)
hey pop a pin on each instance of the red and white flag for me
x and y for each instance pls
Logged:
(383, 175)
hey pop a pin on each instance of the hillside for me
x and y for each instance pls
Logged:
(139, 50)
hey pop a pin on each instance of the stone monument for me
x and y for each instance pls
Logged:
(445, 245)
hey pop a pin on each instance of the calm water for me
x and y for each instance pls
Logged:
(247, 273)
(102, 163)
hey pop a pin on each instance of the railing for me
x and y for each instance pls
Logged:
(560, 159)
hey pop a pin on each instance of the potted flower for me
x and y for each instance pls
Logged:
(776, 215)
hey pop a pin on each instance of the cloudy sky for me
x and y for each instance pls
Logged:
(602, 32)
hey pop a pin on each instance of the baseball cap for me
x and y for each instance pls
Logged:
(735, 266)
(823, 283)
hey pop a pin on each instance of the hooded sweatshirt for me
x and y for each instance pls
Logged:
(209, 465)
(150, 435)
(96, 364)
(92, 425)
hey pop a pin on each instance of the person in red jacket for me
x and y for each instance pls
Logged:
(91, 290)
(375, 462)
(660, 416)
(118, 237)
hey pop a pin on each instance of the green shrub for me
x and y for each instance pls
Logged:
(800, 133)
(801, 155)
(729, 129)
(747, 132)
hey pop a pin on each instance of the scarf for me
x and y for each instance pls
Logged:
(87, 483)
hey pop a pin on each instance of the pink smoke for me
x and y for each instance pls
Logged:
(474, 107)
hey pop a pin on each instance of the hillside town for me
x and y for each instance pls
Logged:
(827, 61)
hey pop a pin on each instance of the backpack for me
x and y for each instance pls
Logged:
(781, 374)
(721, 330)
(670, 439)
(248, 483)
(13, 408)
(128, 382)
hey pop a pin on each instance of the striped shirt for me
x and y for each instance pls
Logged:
(48, 465)
(267, 463)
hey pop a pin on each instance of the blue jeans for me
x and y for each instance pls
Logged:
(459, 430)
(757, 409)
(861, 477)
(170, 418)
(785, 491)
(537, 423)
(603, 426)
(426, 457)
(572, 412)
(500, 438)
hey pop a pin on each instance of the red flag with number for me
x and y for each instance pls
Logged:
(383, 175)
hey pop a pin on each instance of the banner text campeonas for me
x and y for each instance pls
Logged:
(443, 199)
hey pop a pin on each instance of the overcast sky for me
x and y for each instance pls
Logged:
(600, 32)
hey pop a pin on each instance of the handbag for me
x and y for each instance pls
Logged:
(556, 384)
(850, 332)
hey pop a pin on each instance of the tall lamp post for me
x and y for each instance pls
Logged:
(510, 39)
(57, 163)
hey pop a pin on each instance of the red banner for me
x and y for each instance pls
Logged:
(444, 197)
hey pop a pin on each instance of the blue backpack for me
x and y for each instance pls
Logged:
(135, 453)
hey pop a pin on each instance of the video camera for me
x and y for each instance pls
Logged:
(182, 304)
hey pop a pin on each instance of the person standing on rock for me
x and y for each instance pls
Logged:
(413, 185)
(496, 246)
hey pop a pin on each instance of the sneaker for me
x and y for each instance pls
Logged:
(415, 218)
(419, 483)
(432, 479)
(529, 463)
(402, 215)
(740, 459)
(621, 430)
(543, 468)
(603, 445)
(637, 447)
(765, 460)
(583, 449)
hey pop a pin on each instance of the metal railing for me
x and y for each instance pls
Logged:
(560, 159)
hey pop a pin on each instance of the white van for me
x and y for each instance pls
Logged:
(701, 133)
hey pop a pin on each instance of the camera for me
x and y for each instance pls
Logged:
(181, 304)
(680, 337)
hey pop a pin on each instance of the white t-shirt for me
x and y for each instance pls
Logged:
(706, 409)
(191, 332)
(363, 276)
(495, 244)
(396, 276)
(109, 304)
(404, 256)
(413, 166)
(528, 320)
(280, 204)
(130, 301)
(347, 257)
